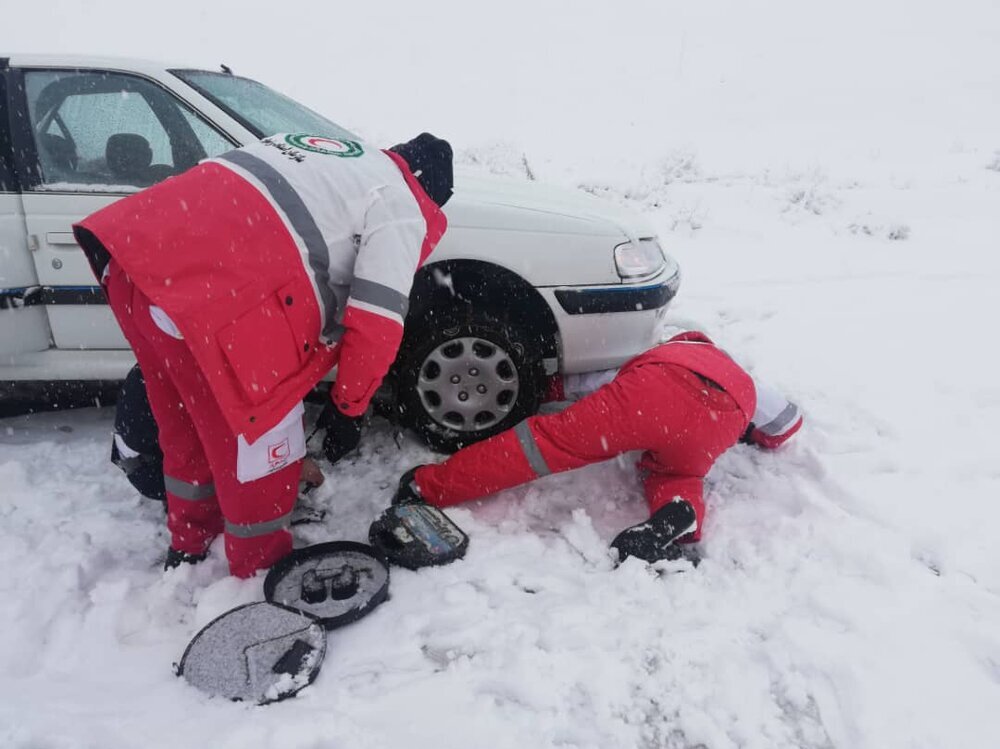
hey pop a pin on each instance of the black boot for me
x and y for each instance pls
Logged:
(177, 558)
(407, 491)
(654, 539)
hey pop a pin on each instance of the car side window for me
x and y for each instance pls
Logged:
(211, 139)
(112, 132)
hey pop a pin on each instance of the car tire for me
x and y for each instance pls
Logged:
(463, 376)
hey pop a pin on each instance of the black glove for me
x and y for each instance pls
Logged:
(746, 438)
(343, 433)
(407, 492)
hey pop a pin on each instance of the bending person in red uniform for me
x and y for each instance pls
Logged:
(239, 284)
(683, 403)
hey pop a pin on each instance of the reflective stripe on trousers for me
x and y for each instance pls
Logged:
(252, 530)
(187, 490)
(531, 450)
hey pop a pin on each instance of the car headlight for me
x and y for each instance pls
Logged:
(637, 259)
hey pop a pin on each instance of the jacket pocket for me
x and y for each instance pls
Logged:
(301, 315)
(261, 348)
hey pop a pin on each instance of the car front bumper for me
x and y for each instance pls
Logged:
(603, 326)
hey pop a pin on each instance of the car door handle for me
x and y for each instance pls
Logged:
(60, 238)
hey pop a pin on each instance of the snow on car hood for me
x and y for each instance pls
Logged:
(497, 203)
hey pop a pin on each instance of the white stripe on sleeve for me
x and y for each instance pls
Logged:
(775, 414)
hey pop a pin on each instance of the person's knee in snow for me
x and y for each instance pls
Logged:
(135, 446)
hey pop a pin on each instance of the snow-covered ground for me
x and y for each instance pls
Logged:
(828, 176)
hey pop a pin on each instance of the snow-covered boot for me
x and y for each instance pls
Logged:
(307, 514)
(177, 558)
(306, 511)
(655, 538)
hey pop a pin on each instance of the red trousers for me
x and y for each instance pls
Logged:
(204, 496)
(682, 424)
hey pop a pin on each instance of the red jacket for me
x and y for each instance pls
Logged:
(276, 262)
(696, 352)
(773, 418)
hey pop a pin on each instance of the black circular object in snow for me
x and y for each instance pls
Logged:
(259, 653)
(337, 582)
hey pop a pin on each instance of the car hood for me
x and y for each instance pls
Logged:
(496, 203)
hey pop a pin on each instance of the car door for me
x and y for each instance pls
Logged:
(23, 328)
(88, 138)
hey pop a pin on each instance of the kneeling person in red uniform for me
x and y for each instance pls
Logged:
(239, 284)
(684, 403)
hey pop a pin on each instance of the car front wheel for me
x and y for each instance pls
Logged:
(464, 376)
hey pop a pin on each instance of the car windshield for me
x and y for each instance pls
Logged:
(260, 109)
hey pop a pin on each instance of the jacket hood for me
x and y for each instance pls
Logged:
(430, 161)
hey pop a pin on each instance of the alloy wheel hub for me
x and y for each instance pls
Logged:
(468, 384)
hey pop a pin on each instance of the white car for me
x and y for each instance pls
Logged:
(528, 280)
